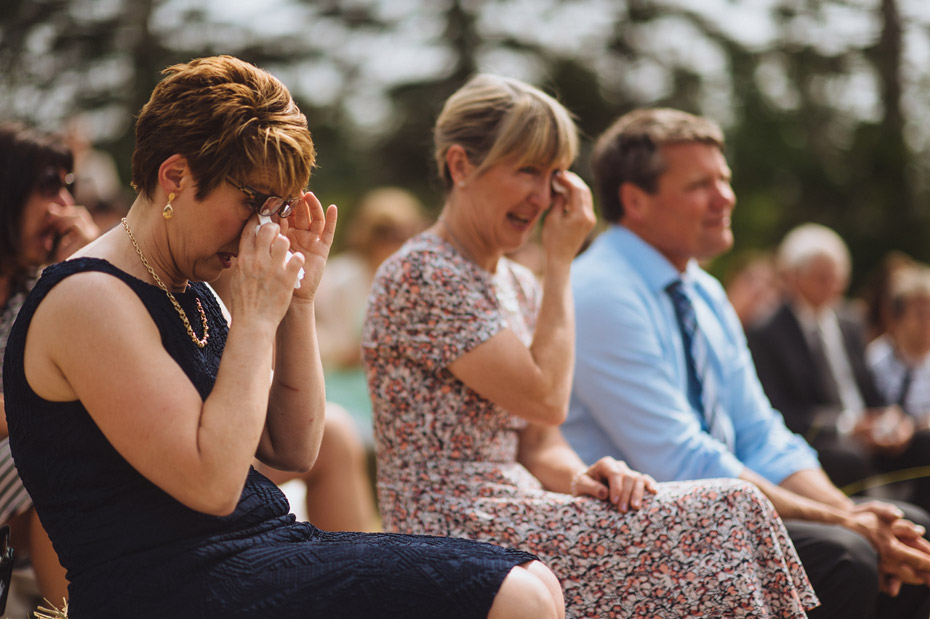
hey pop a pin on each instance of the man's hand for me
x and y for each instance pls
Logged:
(904, 555)
(887, 430)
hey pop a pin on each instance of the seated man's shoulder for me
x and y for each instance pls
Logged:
(600, 266)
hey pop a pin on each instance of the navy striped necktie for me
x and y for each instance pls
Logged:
(702, 385)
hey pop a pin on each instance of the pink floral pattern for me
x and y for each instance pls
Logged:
(447, 465)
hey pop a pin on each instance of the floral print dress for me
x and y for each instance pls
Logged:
(447, 465)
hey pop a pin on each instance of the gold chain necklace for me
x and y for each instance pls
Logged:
(177, 306)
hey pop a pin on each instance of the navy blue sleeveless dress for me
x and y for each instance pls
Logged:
(131, 550)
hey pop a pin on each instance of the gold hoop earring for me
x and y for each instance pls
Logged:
(168, 211)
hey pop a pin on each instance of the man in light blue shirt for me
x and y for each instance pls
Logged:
(629, 399)
(664, 380)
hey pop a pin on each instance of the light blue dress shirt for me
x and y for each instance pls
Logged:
(629, 397)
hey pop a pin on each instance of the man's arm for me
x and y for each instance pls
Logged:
(904, 556)
(763, 442)
(805, 495)
(804, 492)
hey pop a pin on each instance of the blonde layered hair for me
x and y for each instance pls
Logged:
(227, 118)
(496, 118)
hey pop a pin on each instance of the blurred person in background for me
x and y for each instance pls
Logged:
(900, 358)
(752, 288)
(810, 356)
(95, 171)
(383, 220)
(876, 293)
(97, 183)
(40, 225)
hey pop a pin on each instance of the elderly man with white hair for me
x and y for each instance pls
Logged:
(810, 357)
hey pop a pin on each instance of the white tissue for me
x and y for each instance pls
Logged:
(264, 219)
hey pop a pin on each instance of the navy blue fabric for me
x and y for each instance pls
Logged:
(131, 550)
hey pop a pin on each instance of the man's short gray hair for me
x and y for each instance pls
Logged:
(809, 241)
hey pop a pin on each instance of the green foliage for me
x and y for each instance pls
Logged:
(824, 114)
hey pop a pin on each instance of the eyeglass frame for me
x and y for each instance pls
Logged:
(49, 188)
(257, 197)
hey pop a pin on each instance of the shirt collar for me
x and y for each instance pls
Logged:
(810, 318)
(653, 267)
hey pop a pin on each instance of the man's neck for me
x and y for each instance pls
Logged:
(807, 312)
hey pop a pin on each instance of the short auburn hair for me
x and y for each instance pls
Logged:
(227, 118)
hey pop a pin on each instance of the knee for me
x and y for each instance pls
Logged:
(341, 444)
(842, 567)
(860, 561)
(856, 565)
(529, 591)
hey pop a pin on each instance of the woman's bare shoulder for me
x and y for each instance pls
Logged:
(83, 317)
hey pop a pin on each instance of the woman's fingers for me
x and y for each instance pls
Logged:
(302, 215)
(259, 241)
(650, 484)
(329, 230)
(317, 217)
(583, 484)
(627, 488)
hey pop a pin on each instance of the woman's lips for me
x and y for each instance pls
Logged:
(519, 221)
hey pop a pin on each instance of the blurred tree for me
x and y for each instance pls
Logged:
(822, 100)
(819, 149)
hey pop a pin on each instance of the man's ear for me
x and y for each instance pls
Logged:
(174, 174)
(635, 201)
(460, 168)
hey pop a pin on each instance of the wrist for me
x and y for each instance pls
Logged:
(299, 311)
(558, 267)
(254, 328)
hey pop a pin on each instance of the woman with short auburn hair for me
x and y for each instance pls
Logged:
(135, 411)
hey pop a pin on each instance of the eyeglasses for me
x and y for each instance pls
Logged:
(264, 203)
(50, 182)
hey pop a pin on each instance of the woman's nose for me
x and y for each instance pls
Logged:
(544, 190)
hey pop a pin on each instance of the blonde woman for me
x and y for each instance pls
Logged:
(469, 367)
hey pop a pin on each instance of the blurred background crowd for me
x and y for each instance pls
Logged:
(823, 101)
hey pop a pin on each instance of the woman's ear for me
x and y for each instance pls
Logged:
(173, 174)
(458, 165)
